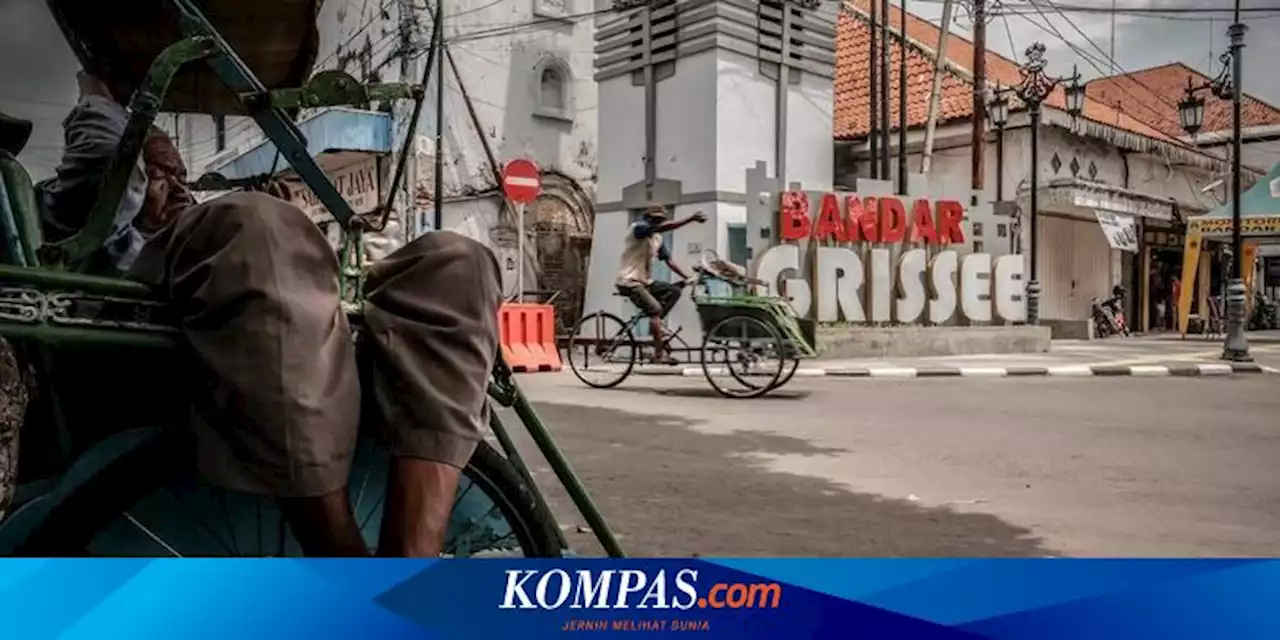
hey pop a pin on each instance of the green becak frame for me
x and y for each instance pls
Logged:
(47, 298)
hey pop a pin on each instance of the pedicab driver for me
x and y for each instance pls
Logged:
(642, 245)
(255, 286)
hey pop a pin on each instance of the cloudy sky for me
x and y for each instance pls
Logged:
(37, 70)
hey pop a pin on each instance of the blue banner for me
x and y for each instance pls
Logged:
(740, 599)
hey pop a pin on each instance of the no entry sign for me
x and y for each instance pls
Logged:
(521, 181)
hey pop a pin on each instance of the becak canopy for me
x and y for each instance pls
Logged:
(117, 40)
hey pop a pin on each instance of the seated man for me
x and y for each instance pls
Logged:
(642, 244)
(255, 286)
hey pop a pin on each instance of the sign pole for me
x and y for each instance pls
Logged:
(522, 184)
(520, 251)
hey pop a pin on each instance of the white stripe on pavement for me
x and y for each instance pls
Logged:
(984, 372)
(1075, 370)
(1148, 371)
(1215, 369)
(893, 372)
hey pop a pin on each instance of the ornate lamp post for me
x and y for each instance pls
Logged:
(998, 112)
(1191, 111)
(1033, 89)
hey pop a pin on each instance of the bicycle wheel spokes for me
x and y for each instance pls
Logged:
(742, 357)
(191, 519)
(602, 350)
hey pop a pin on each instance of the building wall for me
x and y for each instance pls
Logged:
(501, 74)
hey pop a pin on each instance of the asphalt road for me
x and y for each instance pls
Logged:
(946, 467)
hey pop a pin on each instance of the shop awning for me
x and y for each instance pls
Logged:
(1082, 198)
(1259, 211)
(339, 132)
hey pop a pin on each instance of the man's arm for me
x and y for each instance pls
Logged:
(665, 256)
(672, 225)
(92, 133)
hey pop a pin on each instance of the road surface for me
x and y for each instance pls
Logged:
(945, 467)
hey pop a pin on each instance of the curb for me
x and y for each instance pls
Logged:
(1188, 370)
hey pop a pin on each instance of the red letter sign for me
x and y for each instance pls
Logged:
(922, 223)
(893, 220)
(950, 214)
(829, 220)
(793, 218)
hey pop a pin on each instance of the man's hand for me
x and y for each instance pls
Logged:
(698, 217)
(91, 85)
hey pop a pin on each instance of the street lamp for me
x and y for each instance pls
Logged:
(998, 112)
(1033, 89)
(1191, 112)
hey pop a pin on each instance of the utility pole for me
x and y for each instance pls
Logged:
(408, 64)
(873, 107)
(1112, 48)
(979, 92)
(902, 97)
(439, 150)
(1236, 347)
(935, 92)
(885, 140)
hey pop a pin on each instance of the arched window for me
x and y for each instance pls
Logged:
(554, 90)
(552, 84)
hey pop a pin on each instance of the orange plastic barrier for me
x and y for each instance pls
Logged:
(528, 337)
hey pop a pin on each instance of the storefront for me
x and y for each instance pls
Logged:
(1212, 233)
(1092, 238)
(352, 147)
(1160, 274)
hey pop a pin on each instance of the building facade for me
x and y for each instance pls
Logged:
(1114, 164)
(517, 84)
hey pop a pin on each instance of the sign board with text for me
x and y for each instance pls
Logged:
(844, 257)
(357, 183)
(1120, 230)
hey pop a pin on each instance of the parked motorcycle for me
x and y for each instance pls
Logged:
(1266, 313)
(1108, 315)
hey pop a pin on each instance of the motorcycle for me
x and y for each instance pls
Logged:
(1108, 315)
(1266, 314)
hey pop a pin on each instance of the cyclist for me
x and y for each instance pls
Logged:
(642, 244)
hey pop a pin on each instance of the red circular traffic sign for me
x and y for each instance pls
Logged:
(521, 181)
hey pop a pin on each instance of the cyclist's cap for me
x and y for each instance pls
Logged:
(656, 211)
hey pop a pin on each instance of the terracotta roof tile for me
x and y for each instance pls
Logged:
(852, 78)
(1153, 94)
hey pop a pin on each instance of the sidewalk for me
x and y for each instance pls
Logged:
(1145, 356)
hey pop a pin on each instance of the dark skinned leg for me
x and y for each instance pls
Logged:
(419, 500)
(324, 525)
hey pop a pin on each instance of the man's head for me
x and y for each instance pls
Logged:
(167, 192)
(656, 214)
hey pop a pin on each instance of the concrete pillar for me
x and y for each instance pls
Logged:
(703, 105)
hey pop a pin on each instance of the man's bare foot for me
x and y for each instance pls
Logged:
(666, 359)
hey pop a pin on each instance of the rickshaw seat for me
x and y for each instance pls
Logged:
(14, 133)
(21, 212)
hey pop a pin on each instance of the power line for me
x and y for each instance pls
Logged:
(1078, 8)
(1271, 15)
(356, 34)
(1115, 64)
